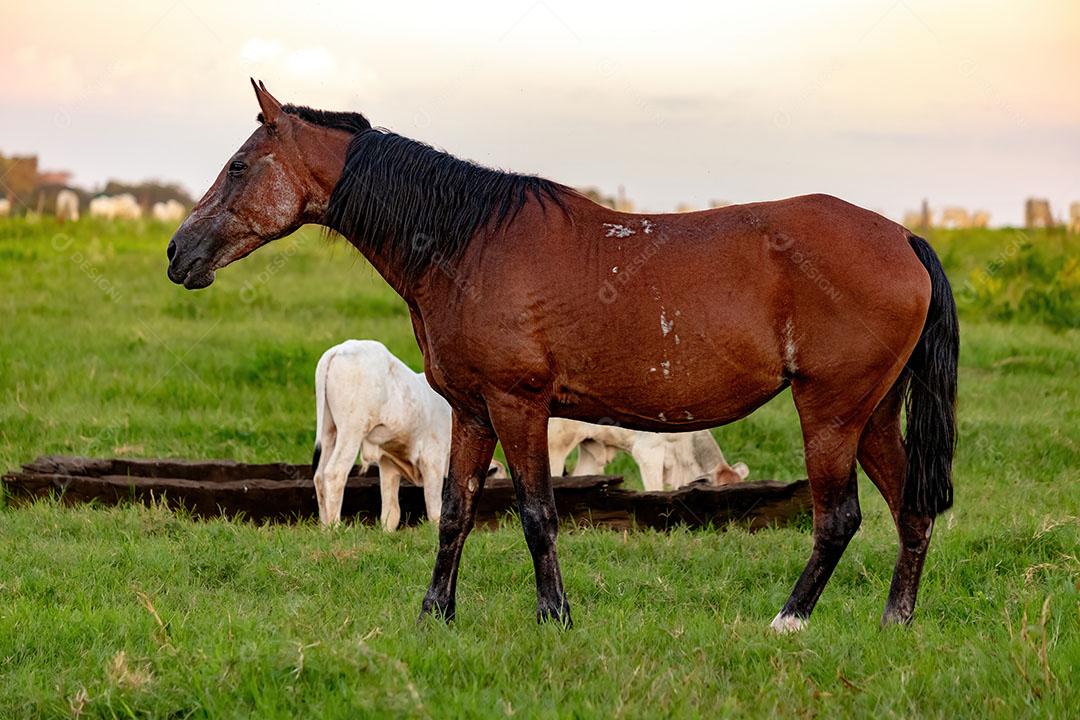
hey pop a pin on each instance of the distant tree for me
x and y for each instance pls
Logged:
(18, 177)
(596, 196)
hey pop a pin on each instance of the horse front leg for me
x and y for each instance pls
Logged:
(522, 428)
(471, 447)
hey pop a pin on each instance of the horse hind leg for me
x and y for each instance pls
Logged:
(830, 447)
(883, 457)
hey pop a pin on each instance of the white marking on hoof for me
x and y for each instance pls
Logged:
(785, 624)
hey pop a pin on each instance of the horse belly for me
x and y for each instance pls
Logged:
(670, 380)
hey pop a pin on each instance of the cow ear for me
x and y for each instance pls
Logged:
(268, 104)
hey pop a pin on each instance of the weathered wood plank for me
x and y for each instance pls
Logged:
(283, 492)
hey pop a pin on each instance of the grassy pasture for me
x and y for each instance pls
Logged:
(136, 612)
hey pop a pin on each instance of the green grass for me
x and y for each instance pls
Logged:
(141, 612)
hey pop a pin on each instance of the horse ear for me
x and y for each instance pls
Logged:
(271, 108)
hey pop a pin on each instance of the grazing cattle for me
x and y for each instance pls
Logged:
(1037, 213)
(117, 207)
(955, 217)
(980, 219)
(169, 211)
(5, 207)
(913, 219)
(67, 205)
(369, 402)
(666, 460)
(1074, 218)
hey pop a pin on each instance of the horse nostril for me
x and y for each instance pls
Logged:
(171, 249)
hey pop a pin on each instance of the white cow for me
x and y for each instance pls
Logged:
(369, 402)
(67, 205)
(666, 460)
(5, 207)
(117, 207)
(955, 217)
(170, 211)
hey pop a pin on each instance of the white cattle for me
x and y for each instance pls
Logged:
(369, 402)
(117, 207)
(5, 207)
(67, 205)
(955, 217)
(666, 460)
(170, 211)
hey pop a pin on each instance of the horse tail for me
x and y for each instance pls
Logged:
(324, 421)
(930, 399)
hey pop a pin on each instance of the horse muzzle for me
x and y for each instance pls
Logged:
(192, 269)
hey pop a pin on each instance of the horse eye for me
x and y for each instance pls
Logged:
(237, 168)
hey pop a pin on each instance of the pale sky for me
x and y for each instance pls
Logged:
(881, 102)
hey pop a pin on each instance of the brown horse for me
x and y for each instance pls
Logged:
(530, 301)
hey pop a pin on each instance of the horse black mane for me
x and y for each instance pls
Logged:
(418, 205)
(348, 121)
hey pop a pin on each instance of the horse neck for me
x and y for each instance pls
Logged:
(387, 266)
(324, 151)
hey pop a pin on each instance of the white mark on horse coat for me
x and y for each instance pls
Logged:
(615, 269)
(646, 226)
(789, 348)
(617, 230)
(666, 365)
(665, 324)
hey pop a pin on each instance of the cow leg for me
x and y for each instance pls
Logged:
(592, 458)
(650, 461)
(560, 443)
(433, 480)
(335, 475)
(389, 483)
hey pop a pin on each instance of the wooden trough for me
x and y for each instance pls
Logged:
(280, 492)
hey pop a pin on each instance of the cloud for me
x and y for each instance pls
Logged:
(258, 50)
(310, 61)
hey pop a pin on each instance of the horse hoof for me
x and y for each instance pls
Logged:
(444, 609)
(785, 624)
(895, 617)
(557, 613)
